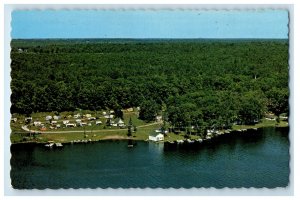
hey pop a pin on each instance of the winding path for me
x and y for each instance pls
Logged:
(94, 131)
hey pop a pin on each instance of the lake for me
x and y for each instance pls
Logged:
(249, 159)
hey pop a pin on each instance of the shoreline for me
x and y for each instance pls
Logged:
(122, 138)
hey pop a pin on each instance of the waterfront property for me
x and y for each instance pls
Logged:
(229, 159)
(156, 137)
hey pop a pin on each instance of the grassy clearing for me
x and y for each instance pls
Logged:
(142, 133)
(69, 116)
(102, 132)
(263, 123)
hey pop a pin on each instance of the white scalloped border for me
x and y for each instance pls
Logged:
(8, 190)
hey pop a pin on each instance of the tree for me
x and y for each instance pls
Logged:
(253, 106)
(148, 110)
(278, 100)
(129, 133)
(118, 113)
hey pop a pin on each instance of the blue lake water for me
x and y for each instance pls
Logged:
(254, 159)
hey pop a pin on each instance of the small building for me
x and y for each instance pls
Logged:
(284, 118)
(156, 137)
(98, 122)
(55, 117)
(77, 116)
(270, 116)
(37, 123)
(158, 131)
(108, 116)
(129, 109)
(54, 122)
(120, 123)
(158, 118)
(70, 125)
(48, 118)
(113, 123)
(88, 115)
(117, 122)
(83, 124)
(66, 122)
(28, 119)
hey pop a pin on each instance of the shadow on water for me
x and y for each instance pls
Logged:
(223, 161)
(255, 137)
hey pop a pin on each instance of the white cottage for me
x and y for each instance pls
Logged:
(98, 122)
(156, 137)
(70, 125)
(55, 117)
(47, 118)
(37, 123)
(121, 123)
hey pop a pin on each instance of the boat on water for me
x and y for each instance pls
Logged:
(180, 141)
(131, 144)
(199, 140)
(190, 141)
(49, 145)
(58, 144)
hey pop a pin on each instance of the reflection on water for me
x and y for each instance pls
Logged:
(224, 162)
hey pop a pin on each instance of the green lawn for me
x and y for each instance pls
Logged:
(263, 123)
(103, 132)
(94, 132)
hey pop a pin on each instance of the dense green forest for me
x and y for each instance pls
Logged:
(190, 82)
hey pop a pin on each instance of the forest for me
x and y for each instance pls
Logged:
(192, 82)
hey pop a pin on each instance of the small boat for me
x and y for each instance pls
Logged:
(49, 145)
(179, 141)
(131, 144)
(190, 141)
(58, 144)
(199, 140)
(254, 129)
